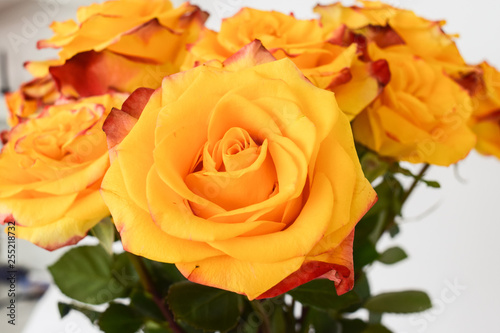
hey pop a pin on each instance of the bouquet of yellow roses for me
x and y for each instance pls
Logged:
(248, 172)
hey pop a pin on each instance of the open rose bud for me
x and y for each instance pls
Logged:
(307, 44)
(485, 120)
(51, 170)
(119, 45)
(245, 177)
(422, 114)
(30, 99)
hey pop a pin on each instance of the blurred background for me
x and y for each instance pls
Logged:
(451, 234)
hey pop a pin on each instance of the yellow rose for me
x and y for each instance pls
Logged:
(329, 66)
(388, 26)
(30, 99)
(422, 114)
(245, 177)
(485, 120)
(119, 45)
(51, 170)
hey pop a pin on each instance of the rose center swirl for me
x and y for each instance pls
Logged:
(234, 172)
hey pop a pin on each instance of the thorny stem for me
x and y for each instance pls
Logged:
(147, 282)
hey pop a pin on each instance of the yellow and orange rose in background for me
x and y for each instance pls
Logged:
(30, 99)
(136, 43)
(255, 190)
(422, 114)
(485, 120)
(51, 170)
(328, 65)
(387, 26)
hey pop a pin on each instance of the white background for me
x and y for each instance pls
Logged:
(453, 247)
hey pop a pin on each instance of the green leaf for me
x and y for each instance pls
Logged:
(246, 327)
(392, 256)
(394, 230)
(250, 318)
(163, 275)
(119, 318)
(204, 307)
(321, 294)
(143, 303)
(84, 274)
(373, 167)
(123, 270)
(381, 216)
(364, 254)
(65, 308)
(321, 322)
(278, 320)
(375, 318)
(432, 183)
(152, 327)
(406, 172)
(104, 231)
(362, 287)
(399, 302)
(376, 328)
(353, 325)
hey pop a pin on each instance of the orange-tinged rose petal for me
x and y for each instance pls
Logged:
(234, 110)
(341, 257)
(140, 234)
(333, 16)
(137, 162)
(262, 116)
(248, 278)
(148, 42)
(41, 68)
(335, 265)
(87, 211)
(488, 135)
(362, 89)
(173, 215)
(32, 211)
(251, 55)
(300, 89)
(90, 36)
(78, 180)
(485, 121)
(291, 169)
(265, 228)
(308, 271)
(120, 122)
(297, 240)
(52, 238)
(354, 194)
(82, 74)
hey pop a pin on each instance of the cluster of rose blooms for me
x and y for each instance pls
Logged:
(231, 153)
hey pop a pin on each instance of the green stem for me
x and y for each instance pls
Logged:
(257, 306)
(305, 311)
(148, 284)
(415, 183)
(406, 195)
